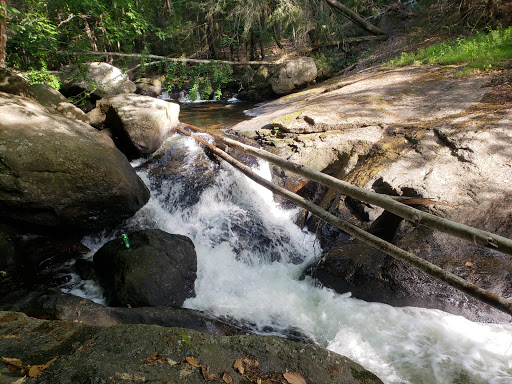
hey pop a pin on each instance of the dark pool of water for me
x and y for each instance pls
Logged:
(214, 115)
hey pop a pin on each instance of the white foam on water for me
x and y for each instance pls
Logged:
(250, 257)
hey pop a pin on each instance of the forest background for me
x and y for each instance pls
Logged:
(36, 37)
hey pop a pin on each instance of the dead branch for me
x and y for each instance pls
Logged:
(474, 235)
(356, 18)
(430, 269)
(162, 58)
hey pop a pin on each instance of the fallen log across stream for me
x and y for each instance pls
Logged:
(476, 236)
(430, 269)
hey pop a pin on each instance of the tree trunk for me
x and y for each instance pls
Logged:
(3, 33)
(276, 31)
(90, 34)
(356, 18)
(210, 34)
(252, 55)
(162, 58)
(263, 33)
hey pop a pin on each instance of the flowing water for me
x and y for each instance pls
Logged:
(251, 256)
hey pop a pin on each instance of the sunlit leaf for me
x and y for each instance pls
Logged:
(36, 370)
(205, 370)
(15, 363)
(294, 378)
(193, 361)
(227, 379)
(239, 366)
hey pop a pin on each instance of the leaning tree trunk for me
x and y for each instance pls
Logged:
(210, 35)
(356, 18)
(3, 33)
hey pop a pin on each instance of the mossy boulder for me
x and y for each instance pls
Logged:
(14, 84)
(150, 353)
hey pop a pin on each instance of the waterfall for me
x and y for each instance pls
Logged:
(251, 256)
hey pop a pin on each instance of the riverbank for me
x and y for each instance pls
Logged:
(415, 132)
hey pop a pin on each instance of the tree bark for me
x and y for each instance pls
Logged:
(356, 18)
(3, 33)
(210, 37)
(162, 58)
(430, 269)
(252, 55)
(476, 236)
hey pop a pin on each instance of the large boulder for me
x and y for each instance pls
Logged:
(293, 74)
(139, 124)
(14, 84)
(425, 134)
(58, 172)
(149, 87)
(153, 354)
(158, 269)
(57, 305)
(100, 79)
(467, 172)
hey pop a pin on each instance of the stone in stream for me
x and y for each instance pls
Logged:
(158, 269)
(139, 124)
(293, 74)
(100, 79)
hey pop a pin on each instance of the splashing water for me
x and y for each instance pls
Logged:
(250, 258)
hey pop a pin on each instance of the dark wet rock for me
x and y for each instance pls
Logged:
(174, 164)
(14, 84)
(149, 87)
(58, 172)
(85, 269)
(56, 305)
(7, 250)
(100, 79)
(142, 353)
(139, 124)
(158, 269)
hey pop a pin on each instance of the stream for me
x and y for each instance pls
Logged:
(250, 259)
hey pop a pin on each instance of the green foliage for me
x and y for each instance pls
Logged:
(329, 64)
(223, 29)
(483, 51)
(43, 76)
(7, 9)
(205, 78)
(194, 90)
(32, 42)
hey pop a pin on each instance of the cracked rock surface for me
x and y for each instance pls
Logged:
(413, 132)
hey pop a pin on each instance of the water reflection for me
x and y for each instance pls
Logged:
(214, 115)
